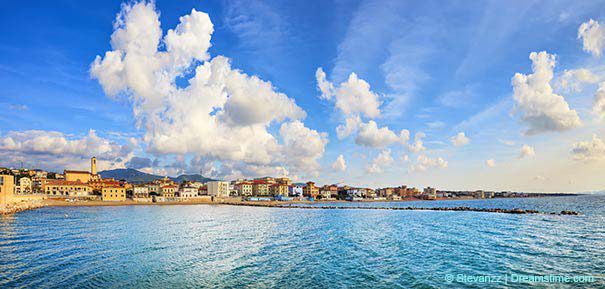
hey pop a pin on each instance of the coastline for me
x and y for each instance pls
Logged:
(300, 204)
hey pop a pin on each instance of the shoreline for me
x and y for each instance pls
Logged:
(302, 204)
(63, 202)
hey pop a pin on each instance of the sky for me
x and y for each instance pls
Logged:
(459, 95)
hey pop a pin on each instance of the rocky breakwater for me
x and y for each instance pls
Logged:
(458, 209)
(20, 206)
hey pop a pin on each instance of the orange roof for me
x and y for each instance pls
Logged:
(114, 187)
(64, 183)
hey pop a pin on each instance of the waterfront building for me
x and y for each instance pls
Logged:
(140, 191)
(412, 192)
(310, 190)
(7, 188)
(113, 194)
(168, 191)
(369, 193)
(25, 186)
(244, 188)
(324, 194)
(83, 176)
(98, 184)
(77, 176)
(479, 194)
(430, 193)
(66, 188)
(153, 188)
(329, 191)
(295, 191)
(284, 181)
(354, 193)
(188, 192)
(203, 191)
(260, 188)
(279, 190)
(401, 191)
(218, 188)
(385, 192)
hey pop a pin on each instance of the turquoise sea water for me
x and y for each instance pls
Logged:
(229, 246)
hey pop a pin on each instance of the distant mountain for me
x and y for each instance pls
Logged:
(192, 178)
(136, 177)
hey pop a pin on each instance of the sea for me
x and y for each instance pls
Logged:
(222, 246)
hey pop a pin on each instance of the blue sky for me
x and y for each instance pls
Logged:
(434, 68)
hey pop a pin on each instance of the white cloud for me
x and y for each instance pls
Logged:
(326, 87)
(221, 114)
(55, 150)
(418, 145)
(593, 37)
(371, 136)
(490, 163)
(352, 97)
(381, 161)
(424, 163)
(589, 150)
(351, 125)
(460, 139)
(56, 143)
(339, 164)
(526, 151)
(302, 146)
(598, 106)
(573, 80)
(536, 103)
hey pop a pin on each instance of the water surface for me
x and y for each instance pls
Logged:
(235, 246)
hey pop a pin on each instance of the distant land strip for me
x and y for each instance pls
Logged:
(457, 209)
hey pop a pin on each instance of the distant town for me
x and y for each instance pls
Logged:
(18, 185)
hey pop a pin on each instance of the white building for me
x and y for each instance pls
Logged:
(218, 188)
(153, 188)
(25, 186)
(295, 191)
(188, 192)
(355, 193)
(140, 191)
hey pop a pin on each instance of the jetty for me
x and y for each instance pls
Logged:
(515, 211)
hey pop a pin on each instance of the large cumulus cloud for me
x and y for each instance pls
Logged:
(536, 103)
(220, 114)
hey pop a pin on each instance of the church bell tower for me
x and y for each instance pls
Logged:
(93, 166)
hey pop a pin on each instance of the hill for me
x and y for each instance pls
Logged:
(136, 177)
